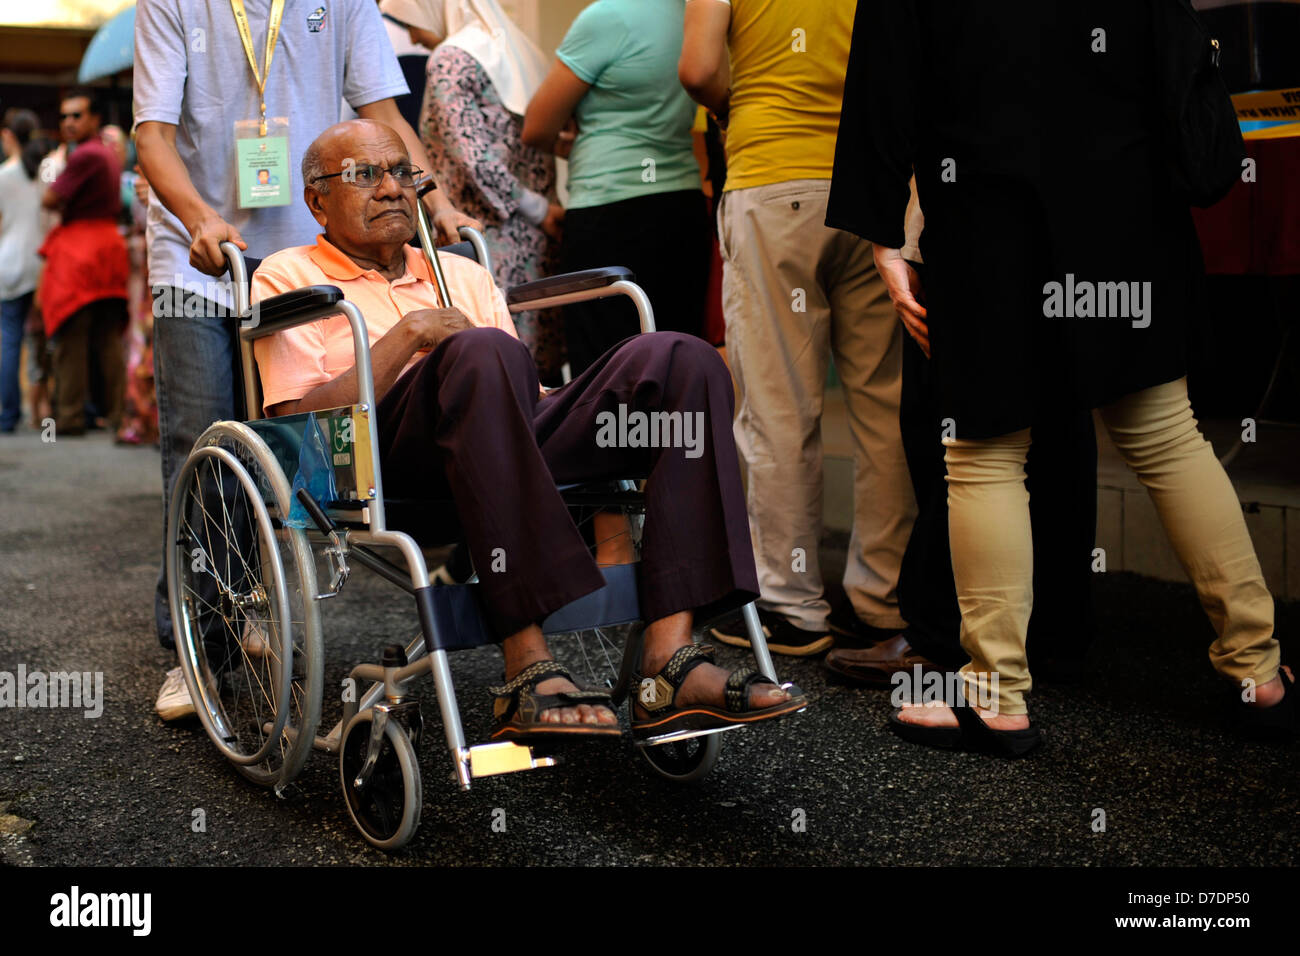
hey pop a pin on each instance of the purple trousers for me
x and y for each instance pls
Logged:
(467, 422)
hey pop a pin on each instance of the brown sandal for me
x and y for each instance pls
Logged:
(517, 710)
(657, 696)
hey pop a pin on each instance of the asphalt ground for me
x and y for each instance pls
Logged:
(1141, 738)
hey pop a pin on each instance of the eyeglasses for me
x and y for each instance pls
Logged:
(69, 116)
(369, 176)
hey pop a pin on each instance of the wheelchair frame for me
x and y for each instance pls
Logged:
(394, 716)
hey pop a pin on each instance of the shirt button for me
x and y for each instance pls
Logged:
(795, 204)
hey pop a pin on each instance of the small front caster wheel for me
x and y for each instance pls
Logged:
(387, 809)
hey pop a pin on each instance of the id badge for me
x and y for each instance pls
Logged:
(262, 163)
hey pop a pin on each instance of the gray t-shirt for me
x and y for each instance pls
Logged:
(20, 229)
(191, 71)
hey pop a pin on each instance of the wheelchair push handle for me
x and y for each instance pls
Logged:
(238, 270)
(424, 185)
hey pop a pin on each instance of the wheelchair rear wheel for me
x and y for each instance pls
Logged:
(242, 589)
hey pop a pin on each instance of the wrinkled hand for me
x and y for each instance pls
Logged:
(905, 292)
(206, 237)
(447, 222)
(553, 224)
(564, 139)
(431, 326)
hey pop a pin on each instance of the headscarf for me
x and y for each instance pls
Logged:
(513, 62)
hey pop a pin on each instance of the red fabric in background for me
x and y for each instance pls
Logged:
(1255, 229)
(85, 261)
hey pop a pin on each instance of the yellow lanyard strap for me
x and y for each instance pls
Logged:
(245, 34)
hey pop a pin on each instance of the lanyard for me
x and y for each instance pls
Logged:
(272, 33)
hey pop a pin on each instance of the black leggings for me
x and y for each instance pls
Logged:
(664, 239)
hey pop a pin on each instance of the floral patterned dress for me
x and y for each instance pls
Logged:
(482, 165)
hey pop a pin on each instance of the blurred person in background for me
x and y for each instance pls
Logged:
(139, 424)
(83, 288)
(20, 265)
(482, 73)
(634, 183)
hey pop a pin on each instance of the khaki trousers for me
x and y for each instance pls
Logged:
(794, 293)
(992, 551)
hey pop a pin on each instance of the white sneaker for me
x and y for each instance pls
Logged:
(174, 698)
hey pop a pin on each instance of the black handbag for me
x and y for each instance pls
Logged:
(1202, 137)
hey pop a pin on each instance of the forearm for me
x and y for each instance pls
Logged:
(704, 67)
(168, 176)
(388, 356)
(710, 87)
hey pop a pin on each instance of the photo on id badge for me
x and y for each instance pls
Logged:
(263, 162)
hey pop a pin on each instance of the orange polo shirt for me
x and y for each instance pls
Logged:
(293, 362)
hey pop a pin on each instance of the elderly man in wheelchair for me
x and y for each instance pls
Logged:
(460, 414)
(409, 362)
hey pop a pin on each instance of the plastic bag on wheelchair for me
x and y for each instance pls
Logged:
(315, 473)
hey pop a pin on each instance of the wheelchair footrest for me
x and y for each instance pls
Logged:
(487, 760)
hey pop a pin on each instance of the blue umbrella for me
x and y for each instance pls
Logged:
(112, 49)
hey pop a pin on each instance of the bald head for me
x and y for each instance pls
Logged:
(329, 151)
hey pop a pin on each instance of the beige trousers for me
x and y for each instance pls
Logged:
(992, 551)
(794, 293)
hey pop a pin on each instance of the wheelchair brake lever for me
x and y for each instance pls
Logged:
(337, 553)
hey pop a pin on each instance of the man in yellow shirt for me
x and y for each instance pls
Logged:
(795, 293)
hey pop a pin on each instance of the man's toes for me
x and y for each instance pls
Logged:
(765, 695)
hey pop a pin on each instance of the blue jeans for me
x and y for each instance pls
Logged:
(13, 314)
(194, 361)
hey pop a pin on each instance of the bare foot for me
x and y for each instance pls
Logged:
(1266, 695)
(941, 715)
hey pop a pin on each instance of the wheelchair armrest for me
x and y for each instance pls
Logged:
(288, 309)
(568, 284)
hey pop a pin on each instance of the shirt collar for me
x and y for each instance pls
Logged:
(335, 264)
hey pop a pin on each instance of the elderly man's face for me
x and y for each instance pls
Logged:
(366, 219)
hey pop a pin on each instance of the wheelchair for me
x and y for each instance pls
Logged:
(254, 499)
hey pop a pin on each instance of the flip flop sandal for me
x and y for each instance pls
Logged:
(971, 733)
(517, 710)
(657, 696)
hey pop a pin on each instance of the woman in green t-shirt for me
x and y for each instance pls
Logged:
(634, 184)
